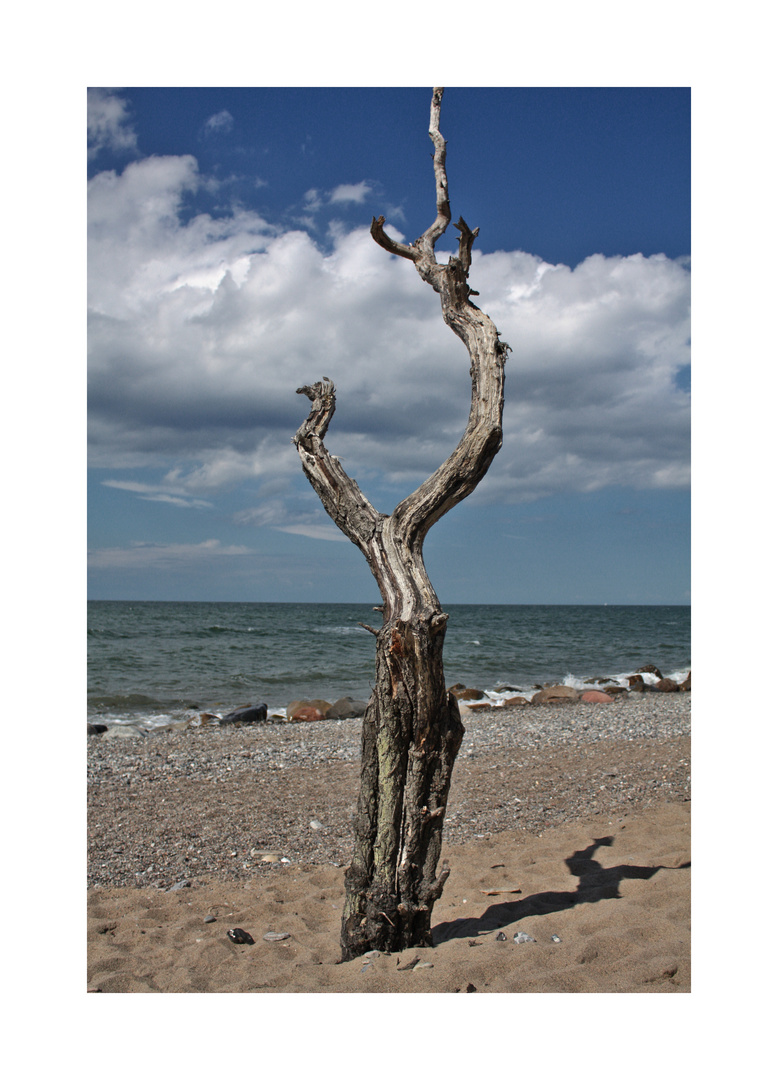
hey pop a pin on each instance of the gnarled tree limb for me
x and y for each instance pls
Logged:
(341, 496)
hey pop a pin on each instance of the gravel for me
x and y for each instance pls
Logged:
(206, 802)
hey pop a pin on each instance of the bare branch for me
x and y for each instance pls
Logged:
(467, 236)
(322, 395)
(340, 495)
(441, 222)
(386, 242)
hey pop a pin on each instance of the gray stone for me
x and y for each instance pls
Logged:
(345, 708)
(124, 731)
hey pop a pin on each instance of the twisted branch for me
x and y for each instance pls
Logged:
(341, 496)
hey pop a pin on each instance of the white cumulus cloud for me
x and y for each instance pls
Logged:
(201, 329)
(346, 193)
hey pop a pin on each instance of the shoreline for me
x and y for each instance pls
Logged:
(566, 820)
(180, 804)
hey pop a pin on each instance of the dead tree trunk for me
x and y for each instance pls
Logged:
(412, 730)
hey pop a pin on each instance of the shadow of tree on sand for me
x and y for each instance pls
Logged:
(595, 882)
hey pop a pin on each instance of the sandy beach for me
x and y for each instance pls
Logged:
(569, 824)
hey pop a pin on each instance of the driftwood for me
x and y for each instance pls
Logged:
(412, 729)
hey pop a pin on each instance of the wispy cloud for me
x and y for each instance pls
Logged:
(284, 516)
(220, 123)
(109, 125)
(142, 555)
(158, 493)
(314, 532)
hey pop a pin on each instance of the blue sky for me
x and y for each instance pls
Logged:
(229, 262)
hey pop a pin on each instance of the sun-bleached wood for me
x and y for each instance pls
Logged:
(412, 729)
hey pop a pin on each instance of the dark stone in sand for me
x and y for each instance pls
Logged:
(253, 715)
(96, 729)
(240, 937)
(636, 682)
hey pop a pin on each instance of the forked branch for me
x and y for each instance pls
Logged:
(467, 465)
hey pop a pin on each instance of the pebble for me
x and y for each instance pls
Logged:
(521, 938)
(272, 935)
(240, 937)
(316, 824)
(209, 918)
(556, 939)
(267, 856)
(501, 937)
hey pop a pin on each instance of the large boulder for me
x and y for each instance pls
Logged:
(345, 708)
(594, 697)
(124, 731)
(308, 710)
(466, 693)
(254, 714)
(666, 686)
(96, 729)
(556, 695)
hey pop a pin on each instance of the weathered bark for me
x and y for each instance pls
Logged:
(412, 730)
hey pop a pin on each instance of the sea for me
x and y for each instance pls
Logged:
(156, 663)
